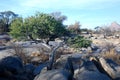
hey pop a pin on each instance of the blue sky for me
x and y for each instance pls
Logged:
(90, 13)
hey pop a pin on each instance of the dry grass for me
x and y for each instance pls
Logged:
(111, 54)
(104, 41)
(19, 51)
(43, 57)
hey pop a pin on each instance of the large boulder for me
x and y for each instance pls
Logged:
(65, 73)
(111, 68)
(39, 68)
(11, 68)
(29, 68)
(12, 64)
(60, 62)
(54, 75)
(91, 75)
(88, 71)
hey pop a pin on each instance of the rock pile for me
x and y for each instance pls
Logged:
(65, 68)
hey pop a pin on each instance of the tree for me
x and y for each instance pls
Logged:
(41, 25)
(74, 28)
(7, 17)
(58, 16)
(98, 30)
(107, 31)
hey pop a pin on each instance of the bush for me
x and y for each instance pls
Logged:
(78, 42)
(18, 50)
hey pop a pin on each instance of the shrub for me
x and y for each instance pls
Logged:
(78, 42)
(19, 51)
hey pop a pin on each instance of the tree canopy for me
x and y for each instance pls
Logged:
(41, 25)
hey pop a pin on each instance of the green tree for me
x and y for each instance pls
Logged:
(41, 25)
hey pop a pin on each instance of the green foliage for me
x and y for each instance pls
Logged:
(38, 26)
(16, 28)
(78, 42)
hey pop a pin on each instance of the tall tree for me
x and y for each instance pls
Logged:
(7, 17)
(41, 25)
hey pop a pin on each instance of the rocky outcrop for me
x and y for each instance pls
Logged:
(54, 75)
(112, 69)
(65, 68)
(58, 74)
(88, 71)
(12, 64)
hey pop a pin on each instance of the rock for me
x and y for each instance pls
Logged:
(89, 49)
(111, 68)
(97, 52)
(54, 43)
(12, 64)
(91, 75)
(89, 71)
(94, 47)
(54, 75)
(58, 40)
(4, 73)
(2, 47)
(11, 68)
(60, 62)
(46, 47)
(36, 60)
(117, 49)
(66, 73)
(39, 68)
(29, 68)
(5, 37)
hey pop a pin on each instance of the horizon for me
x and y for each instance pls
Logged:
(90, 13)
